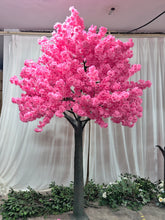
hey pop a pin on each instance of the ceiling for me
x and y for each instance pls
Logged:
(41, 15)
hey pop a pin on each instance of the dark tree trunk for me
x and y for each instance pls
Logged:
(78, 207)
(78, 203)
(163, 153)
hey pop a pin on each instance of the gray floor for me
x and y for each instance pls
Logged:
(104, 213)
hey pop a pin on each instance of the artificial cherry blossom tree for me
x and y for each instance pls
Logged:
(81, 75)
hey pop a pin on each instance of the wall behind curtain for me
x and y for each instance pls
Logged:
(32, 159)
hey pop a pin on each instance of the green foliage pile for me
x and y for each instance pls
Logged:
(24, 204)
(130, 191)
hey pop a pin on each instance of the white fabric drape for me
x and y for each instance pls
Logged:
(36, 159)
(29, 158)
(118, 149)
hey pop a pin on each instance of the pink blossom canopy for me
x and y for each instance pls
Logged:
(80, 71)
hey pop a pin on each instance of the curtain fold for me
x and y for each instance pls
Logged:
(36, 159)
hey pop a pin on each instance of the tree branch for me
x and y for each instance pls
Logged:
(161, 149)
(84, 122)
(85, 67)
(68, 99)
(72, 112)
(72, 121)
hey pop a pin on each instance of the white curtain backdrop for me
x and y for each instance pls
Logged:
(36, 159)
(118, 149)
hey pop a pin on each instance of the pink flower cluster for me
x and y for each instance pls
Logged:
(83, 71)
